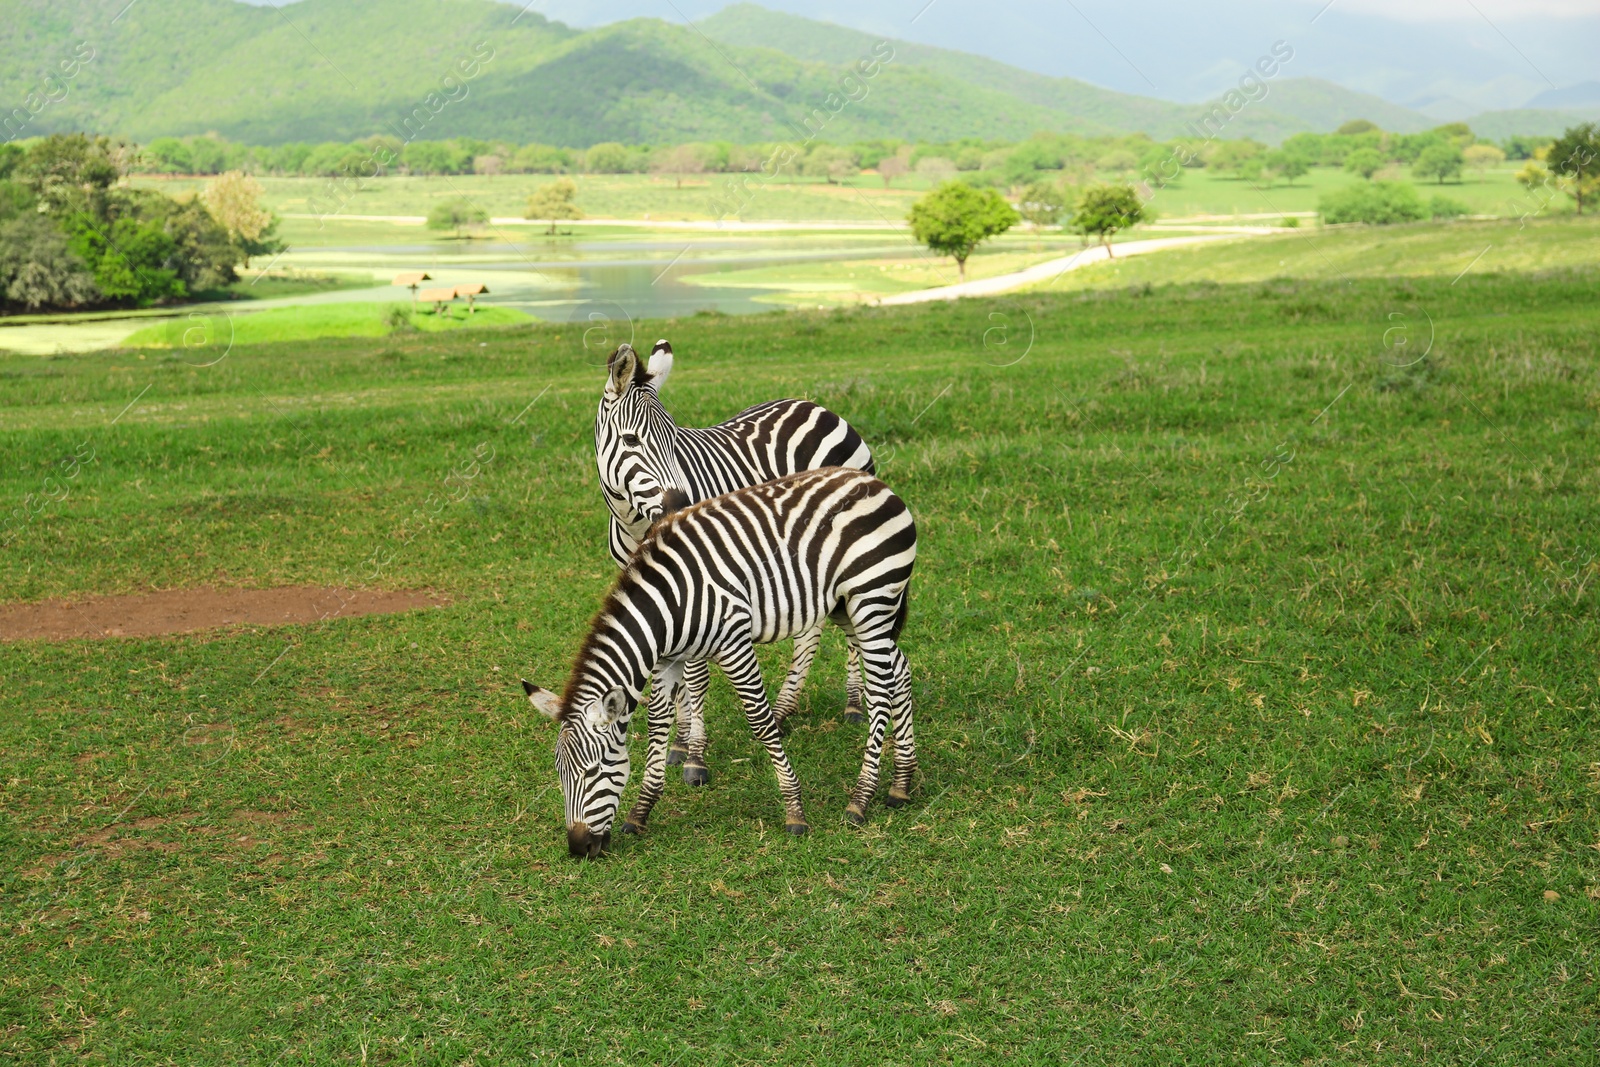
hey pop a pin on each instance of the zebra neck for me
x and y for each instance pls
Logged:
(624, 645)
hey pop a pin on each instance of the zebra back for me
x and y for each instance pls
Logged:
(642, 455)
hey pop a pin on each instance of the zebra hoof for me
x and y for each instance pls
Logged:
(631, 827)
(897, 798)
(854, 714)
(676, 755)
(696, 774)
(855, 816)
(798, 829)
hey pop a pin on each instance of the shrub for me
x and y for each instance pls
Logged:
(1442, 207)
(1377, 204)
(38, 269)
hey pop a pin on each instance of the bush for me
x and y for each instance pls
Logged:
(1442, 207)
(1377, 204)
(38, 268)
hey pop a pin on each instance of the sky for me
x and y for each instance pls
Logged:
(1449, 58)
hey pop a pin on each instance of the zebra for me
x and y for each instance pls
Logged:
(650, 466)
(711, 581)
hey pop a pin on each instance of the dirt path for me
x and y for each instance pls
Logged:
(176, 611)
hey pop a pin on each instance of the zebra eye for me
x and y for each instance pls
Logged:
(631, 440)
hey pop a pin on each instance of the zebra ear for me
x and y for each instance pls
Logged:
(547, 702)
(624, 367)
(613, 706)
(660, 364)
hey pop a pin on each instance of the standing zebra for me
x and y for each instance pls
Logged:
(650, 466)
(710, 582)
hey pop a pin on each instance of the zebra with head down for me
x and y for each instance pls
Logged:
(650, 466)
(712, 581)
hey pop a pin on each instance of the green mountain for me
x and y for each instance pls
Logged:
(342, 69)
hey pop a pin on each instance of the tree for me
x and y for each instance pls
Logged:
(1288, 165)
(1480, 157)
(38, 268)
(1042, 204)
(955, 218)
(131, 258)
(234, 200)
(1440, 161)
(1241, 158)
(540, 159)
(67, 171)
(1355, 126)
(1375, 203)
(1364, 161)
(1105, 209)
(890, 168)
(456, 215)
(1575, 156)
(684, 159)
(607, 157)
(830, 162)
(554, 202)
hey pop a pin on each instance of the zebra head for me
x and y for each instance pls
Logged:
(591, 762)
(635, 441)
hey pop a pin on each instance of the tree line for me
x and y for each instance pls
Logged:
(981, 162)
(74, 234)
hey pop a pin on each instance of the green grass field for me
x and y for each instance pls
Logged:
(217, 329)
(1253, 655)
(790, 198)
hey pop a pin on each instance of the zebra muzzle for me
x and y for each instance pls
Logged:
(673, 500)
(582, 844)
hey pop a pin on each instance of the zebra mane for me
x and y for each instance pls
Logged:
(589, 663)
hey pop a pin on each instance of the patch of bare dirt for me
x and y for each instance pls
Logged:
(178, 611)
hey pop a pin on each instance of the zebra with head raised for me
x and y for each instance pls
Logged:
(650, 466)
(710, 582)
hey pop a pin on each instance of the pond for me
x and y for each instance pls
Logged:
(628, 277)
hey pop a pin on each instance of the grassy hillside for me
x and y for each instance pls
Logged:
(1254, 685)
(340, 69)
(1293, 104)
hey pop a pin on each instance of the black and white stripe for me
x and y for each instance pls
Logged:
(650, 466)
(709, 583)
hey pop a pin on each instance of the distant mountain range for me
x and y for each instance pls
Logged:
(342, 69)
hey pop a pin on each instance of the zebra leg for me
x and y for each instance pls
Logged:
(740, 665)
(805, 650)
(692, 724)
(697, 677)
(665, 689)
(854, 696)
(905, 742)
(879, 674)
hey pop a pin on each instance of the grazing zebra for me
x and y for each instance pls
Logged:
(709, 583)
(650, 466)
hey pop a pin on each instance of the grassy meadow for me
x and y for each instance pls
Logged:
(1253, 652)
(211, 333)
(793, 198)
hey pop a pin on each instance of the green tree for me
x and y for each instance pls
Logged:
(955, 218)
(1481, 157)
(1355, 126)
(1364, 161)
(70, 171)
(1288, 165)
(131, 258)
(1440, 161)
(1375, 203)
(456, 215)
(1103, 210)
(554, 202)
(1241, 158)
(234, 200)
(1042, 204)
(1575, 156)
(607, 157)
(37, 267)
